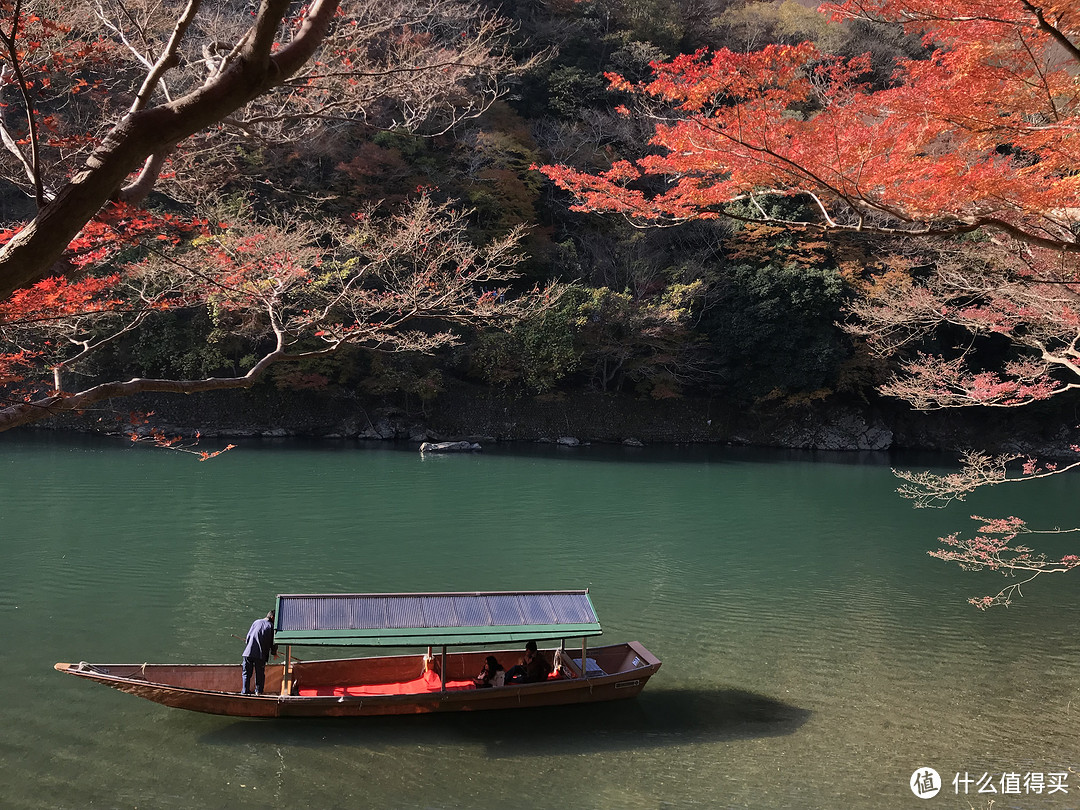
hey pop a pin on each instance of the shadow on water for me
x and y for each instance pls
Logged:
(661, 719)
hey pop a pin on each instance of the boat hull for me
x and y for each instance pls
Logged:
(329, 688)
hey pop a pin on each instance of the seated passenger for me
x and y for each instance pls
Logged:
(491, 675)
(533, 667)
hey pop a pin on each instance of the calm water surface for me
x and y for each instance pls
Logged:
(814, 656)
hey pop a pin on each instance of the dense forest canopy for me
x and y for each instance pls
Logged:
(148, 146)
(801, 161)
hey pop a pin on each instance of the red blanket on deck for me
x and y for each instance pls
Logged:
(428, 682)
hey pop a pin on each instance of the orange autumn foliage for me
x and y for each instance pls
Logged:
(985, 133)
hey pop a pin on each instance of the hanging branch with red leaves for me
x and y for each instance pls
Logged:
(291, 292)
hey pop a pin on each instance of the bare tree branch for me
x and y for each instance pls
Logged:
(31, 253)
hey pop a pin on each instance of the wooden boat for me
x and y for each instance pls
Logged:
(435, 680)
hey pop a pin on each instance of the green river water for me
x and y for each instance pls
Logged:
(814, 655)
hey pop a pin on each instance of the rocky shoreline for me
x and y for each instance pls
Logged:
(478, 415)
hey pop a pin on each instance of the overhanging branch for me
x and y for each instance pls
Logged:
(25, 413)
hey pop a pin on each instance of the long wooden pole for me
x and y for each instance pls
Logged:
(286, 673)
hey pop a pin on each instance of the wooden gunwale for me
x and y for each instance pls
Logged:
(617, 685)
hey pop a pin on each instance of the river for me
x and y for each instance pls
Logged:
(814, 655)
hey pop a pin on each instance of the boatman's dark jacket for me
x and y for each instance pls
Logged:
(260, 641)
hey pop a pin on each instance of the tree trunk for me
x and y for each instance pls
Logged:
(33, 252)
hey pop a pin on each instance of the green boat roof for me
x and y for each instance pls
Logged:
(433, 619)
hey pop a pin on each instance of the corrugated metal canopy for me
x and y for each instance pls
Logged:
(433, 619)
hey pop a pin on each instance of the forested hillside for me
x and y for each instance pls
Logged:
(380, 226)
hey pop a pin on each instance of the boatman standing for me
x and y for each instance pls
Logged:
(257, 651)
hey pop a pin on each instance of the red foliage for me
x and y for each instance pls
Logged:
(981, 133)
(118, 226)
(993, 547)
(15, 365)
(58, 296)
